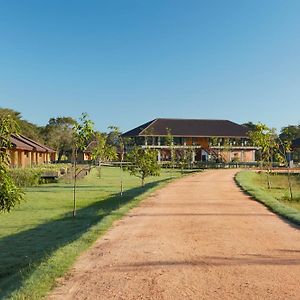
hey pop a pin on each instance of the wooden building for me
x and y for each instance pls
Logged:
(26, 152)
(208, 140)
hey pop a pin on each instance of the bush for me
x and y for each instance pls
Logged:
(33, 176)
(26, 177)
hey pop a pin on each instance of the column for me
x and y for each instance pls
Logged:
(22, 159)
(29, 161)
(33, 156)
(193, 156)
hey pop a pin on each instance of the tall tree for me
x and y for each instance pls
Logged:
(58, 134)
(26, 128)
(290, 132)
(287, 135)
(250, 125)
(10, 194)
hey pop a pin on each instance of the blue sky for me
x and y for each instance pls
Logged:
(126, 62)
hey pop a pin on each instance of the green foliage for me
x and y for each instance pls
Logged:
(143, 163)
(250, 125)
(115, 139)
(26, 177)
(32, 176)
(102, 151)
(290, 133)
(265, 139)
(58, 134)
(10, 194)
(30, 130)
(82, 132)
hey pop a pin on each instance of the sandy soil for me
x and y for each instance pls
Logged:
(198, 238)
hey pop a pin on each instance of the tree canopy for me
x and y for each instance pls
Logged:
(143, 163)
(58, 134)
(29, 129)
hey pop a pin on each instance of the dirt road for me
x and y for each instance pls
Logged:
(198, 238)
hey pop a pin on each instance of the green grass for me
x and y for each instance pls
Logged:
(39, 240)
(276, 198)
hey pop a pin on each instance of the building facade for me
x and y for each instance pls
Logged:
(26, 152)
(206, 140)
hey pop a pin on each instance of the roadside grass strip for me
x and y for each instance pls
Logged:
(246, 181)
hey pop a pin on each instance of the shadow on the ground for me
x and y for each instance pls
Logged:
(22, 251)
(203, 215)
(212, 261)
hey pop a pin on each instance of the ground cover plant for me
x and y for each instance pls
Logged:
(32, 176)
(39, 239)
(276, 198)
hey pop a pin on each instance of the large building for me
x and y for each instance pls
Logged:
(26, 152)
(207, 140)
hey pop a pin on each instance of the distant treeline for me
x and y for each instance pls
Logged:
(57, 133)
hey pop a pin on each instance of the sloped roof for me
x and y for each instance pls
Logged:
(38, 145)
(189, 128)
(18, 144)
(90, 147)
(23, 143)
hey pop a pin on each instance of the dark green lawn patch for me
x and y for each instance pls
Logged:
(40, 240)
(275, 198)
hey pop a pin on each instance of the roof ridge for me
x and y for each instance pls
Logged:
(151, 123)
(36, 143)
(193, 119)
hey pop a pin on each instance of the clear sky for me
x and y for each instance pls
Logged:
(126, 62)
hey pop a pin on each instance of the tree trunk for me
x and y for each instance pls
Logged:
(121, 177)
(60, 154)
(74, 187)
(99, 169)
(290, 184)
(268, 177)
(268, 180)
(143, 181)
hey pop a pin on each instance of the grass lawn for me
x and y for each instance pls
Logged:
(276, 198)
(39, 240)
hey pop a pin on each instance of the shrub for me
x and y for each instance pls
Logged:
(26, 177)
